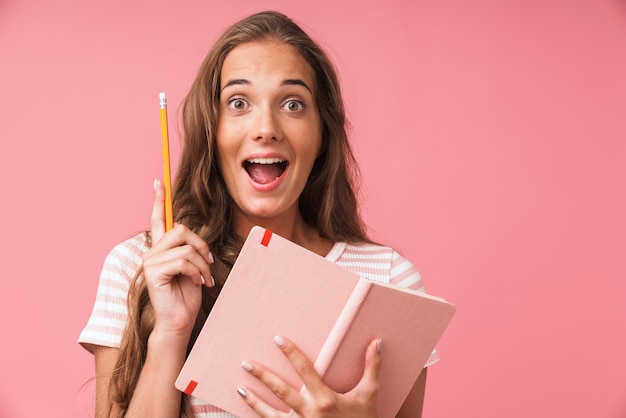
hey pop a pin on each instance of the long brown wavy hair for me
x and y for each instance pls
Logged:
(201, 200)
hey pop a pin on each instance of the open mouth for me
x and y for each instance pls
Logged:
(265, 170)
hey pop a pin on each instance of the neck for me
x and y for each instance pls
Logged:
(289, 226)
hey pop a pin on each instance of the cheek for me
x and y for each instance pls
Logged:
(317, 146)
(318, 143)
(224, 160)
(311, 154)
(226, 146)
(309, 137)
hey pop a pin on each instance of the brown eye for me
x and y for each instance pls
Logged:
(237, 104)
(294, 106)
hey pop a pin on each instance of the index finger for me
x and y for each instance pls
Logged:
(302, 365)
(157, 219)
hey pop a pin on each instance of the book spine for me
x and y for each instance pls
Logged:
(334, 339)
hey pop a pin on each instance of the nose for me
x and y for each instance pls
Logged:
(266, 125)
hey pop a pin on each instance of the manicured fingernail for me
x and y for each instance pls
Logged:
(202, 278)
(211, 260)
(279, 340)
(242, 392)
(155, 184)
(212, 281)
(246, 366)
(379, 345)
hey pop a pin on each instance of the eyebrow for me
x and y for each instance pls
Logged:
(287, 82)
(296, 82)
(238, 81)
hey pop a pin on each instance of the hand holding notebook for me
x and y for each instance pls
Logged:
(315, 396)
(279, 288)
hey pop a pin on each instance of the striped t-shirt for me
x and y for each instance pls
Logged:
(108, 318)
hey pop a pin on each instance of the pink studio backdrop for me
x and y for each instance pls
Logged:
(491, 138)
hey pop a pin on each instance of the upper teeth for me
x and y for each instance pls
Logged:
(265, 160)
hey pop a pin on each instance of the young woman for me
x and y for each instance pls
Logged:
(264, 144)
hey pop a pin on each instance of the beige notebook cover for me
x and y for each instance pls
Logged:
(279, 288)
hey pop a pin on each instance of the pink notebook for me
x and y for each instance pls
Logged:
(279, 288)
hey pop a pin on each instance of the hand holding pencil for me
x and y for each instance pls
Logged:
(177, 264)
(162, 217)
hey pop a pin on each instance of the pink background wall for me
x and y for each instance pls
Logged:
(492, 139)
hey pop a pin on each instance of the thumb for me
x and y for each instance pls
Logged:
(370, 380)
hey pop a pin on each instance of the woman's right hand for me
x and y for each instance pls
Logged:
(175, 268)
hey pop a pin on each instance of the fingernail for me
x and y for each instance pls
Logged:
(279, 340)
(202, 278)
(246, 366)
(379, 345)
(211, 260)
(155, 184)
(242, 392)
(212, 281)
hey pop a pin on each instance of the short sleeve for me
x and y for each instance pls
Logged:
(110, 311)
(380, 263)
(404, 274)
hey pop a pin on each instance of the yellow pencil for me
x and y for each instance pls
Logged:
(167, 180)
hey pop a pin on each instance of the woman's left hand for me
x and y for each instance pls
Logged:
(318, 400)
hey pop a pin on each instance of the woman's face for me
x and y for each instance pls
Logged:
(269, 130)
